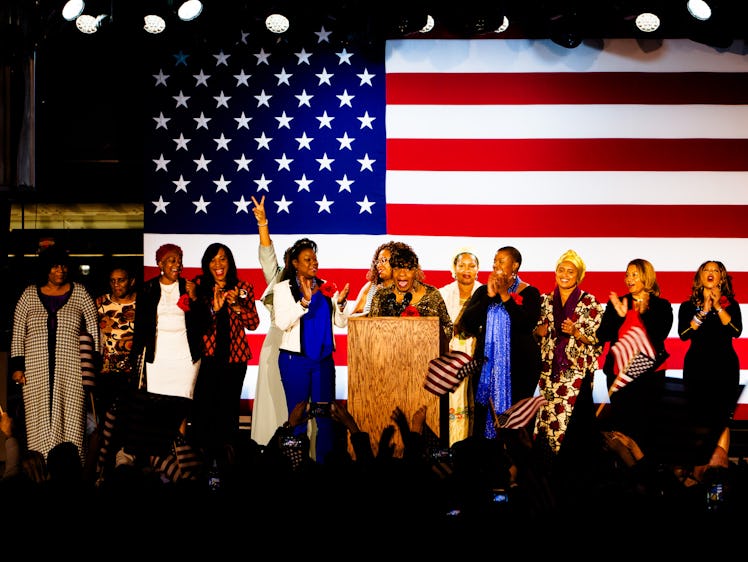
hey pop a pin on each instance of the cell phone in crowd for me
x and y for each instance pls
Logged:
(499, 495)
(319, 410)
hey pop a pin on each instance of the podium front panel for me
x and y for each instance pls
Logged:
(387, 362)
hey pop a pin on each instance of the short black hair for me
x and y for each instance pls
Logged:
(48, 258)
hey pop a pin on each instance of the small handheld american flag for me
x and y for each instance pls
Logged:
(518, 415)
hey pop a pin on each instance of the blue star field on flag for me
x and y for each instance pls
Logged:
(304, 126)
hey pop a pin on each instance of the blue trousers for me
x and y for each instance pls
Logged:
(307, 379)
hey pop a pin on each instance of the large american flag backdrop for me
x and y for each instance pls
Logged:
(612, 151)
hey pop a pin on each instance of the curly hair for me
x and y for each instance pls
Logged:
(725, 285)
(289, 271)
(404, 256)
(373, 274)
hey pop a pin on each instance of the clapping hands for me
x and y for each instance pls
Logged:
(498, 283)
(711, 298)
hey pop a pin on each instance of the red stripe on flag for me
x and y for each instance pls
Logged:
(542, 220)
(567, 88)
(568, 154)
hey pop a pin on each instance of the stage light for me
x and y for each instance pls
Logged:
(154, 24)
(710, 23)
(480, 21)
(504, 26)
(564, 25)
(89, 24)
(72, 9)
(647, 22)
(277, 23)
(189, 10)
(429, 24)
(699, 9)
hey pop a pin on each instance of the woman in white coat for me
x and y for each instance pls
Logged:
(306, 309)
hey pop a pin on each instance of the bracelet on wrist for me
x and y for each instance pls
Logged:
(718, 310)
(262, 223)
(304, 302)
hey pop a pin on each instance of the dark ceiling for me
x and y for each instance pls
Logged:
(88, 144)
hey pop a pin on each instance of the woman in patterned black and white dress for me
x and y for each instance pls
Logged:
(45, 354)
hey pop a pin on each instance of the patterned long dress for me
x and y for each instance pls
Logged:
(46, 346)
(567, 364)
(460, 401)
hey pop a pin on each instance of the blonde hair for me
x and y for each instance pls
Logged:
(647, 275)
(572, 257)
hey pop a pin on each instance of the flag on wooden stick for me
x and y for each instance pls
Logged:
(518, 415)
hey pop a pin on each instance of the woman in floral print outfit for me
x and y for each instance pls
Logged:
(569, 349)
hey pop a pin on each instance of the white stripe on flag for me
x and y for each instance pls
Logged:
(521, 413)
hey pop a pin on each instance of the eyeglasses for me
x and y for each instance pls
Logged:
(382, 261)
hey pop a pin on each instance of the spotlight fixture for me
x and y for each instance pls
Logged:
(429, 24)
(647, 22)
(72, 9)
(475, 18)
(405, 19)
(564, 23)
(699, 9)
(189, 10)
(709, 24)
(277, 23)
(564, 28)
(89, 24)
(503, 27)
(154, 24)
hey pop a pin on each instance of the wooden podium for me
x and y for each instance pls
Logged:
(387, 363)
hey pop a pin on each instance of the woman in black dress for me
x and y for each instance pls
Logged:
(710, 320)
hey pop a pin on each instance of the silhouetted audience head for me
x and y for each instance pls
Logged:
(34, 466)
(64, 463)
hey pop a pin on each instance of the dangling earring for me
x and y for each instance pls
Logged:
(162, 272)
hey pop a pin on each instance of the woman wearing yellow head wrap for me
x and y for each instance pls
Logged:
(569, 348)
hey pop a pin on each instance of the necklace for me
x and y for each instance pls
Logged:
(169, 289)
(312, 286)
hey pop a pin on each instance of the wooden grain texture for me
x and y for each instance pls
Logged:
(387, 362)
